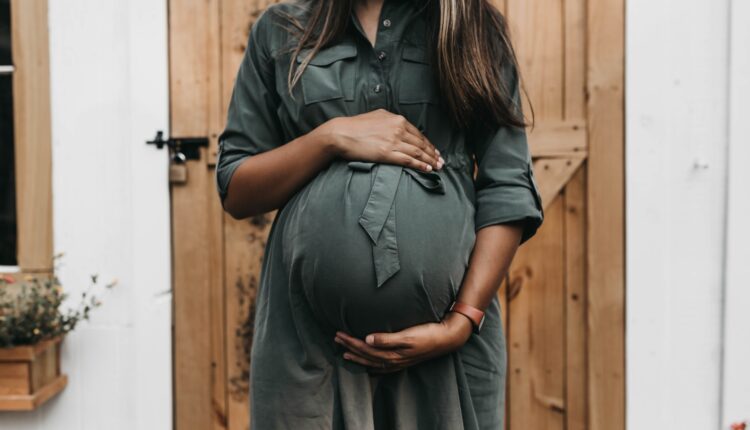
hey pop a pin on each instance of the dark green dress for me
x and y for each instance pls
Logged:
(367, 247)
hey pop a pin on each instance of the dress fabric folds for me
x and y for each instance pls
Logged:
(368, 247)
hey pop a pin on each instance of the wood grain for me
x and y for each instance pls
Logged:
(553, 175)
(28, 402)
(30, 375)
(559, 139)
(198, 338)
(606, 225)
(575, 43)
(32, 129)
(537, 29)
(537, 334)
(244, 241)
(576, 358)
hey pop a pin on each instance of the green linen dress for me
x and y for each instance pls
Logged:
(368, 247)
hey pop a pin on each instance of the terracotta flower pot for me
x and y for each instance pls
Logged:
(30, 375)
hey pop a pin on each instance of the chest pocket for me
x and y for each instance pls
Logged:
(330, 74)
(417, 80)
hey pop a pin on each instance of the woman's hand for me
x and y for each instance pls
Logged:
(391, 352)
(383, 137)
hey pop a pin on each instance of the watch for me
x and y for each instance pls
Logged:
(475, 315)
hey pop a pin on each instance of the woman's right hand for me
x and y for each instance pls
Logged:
(383, 137)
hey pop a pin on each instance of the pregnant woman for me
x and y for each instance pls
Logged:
(361, 121)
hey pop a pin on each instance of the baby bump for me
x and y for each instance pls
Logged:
(378, 247)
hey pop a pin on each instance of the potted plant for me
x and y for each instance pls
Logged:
(32, 326)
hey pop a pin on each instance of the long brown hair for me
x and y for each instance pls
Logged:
(476, 63)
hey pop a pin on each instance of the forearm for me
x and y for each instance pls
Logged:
(265, 181)
(490, 260)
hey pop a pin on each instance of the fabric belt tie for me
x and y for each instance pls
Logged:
(378, 218)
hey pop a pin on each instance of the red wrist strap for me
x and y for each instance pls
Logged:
(474, 314)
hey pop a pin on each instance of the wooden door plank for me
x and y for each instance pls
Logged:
(198, 338)
(215, 239)
(553, 175)
(574, 34)
(576, 389)
(501, 5)
(559, 139)
(218, 304)
(244, 241)
(240, 279)
(536, 349)
(237, 16)
(605, 232)
(536, 28)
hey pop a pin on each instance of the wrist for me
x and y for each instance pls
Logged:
(474, 314)
(328, 138)
(459, 326)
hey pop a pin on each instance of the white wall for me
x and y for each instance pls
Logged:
(111, 213)
(678, 107)
(736, 389)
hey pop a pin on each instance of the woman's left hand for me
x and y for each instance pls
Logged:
(391, 352)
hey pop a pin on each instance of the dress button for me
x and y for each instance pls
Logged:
(381, 55)
(386, 23)
(377, 88)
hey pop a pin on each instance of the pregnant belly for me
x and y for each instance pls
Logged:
(378, 247)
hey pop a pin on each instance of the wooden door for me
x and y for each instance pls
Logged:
(564, 297)
(216, 258)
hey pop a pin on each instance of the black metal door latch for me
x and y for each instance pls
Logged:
(182, 148)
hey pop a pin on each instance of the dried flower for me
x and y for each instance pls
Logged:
(30, 310)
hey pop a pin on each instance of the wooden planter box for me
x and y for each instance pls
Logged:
(30, 375)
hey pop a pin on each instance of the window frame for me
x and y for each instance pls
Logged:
(32, 137)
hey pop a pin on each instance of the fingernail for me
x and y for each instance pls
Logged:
(370, 339)
(347, 356)
(429, 168)
(337, 340)
(437, 151)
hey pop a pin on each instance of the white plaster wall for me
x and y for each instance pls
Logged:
(111, 213)
(678, 128)
(736, 371)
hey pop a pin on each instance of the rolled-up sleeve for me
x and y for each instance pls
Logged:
(252, 123)
(505, 186)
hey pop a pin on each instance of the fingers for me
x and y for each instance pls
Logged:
(415, 137)
(421, 150)
(398, 156)
(388, 340)
(425, 143)
(412, 156)
(404, 143)
(364, 360)
(382, 352)
(366, 351)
